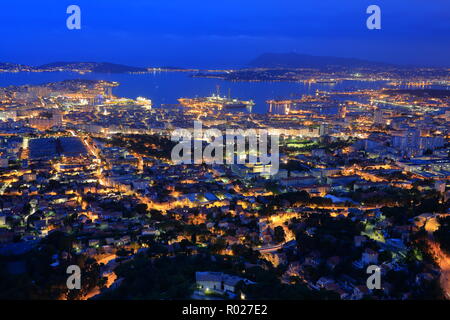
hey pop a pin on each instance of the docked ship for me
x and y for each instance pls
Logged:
(215, 101)
(144, 102)
(326, 81)
(321, 81)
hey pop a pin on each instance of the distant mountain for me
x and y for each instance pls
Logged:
(13, 67)
(296, 60)
(5, 65)
(99, 67)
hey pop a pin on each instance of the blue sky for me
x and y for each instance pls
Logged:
(222, 33)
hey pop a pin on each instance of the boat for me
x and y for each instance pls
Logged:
(216, 102)
(326, 81)
(144, 102)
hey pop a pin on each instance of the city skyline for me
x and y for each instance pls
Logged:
(244, 151)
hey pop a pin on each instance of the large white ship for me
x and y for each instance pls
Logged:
(215, 101)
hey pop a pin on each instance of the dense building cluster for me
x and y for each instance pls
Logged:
(87, 176)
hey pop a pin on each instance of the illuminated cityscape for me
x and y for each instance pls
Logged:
(87, 179)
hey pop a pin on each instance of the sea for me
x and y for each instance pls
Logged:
(164, 88)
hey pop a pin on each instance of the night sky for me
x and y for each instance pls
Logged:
(213, 33)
